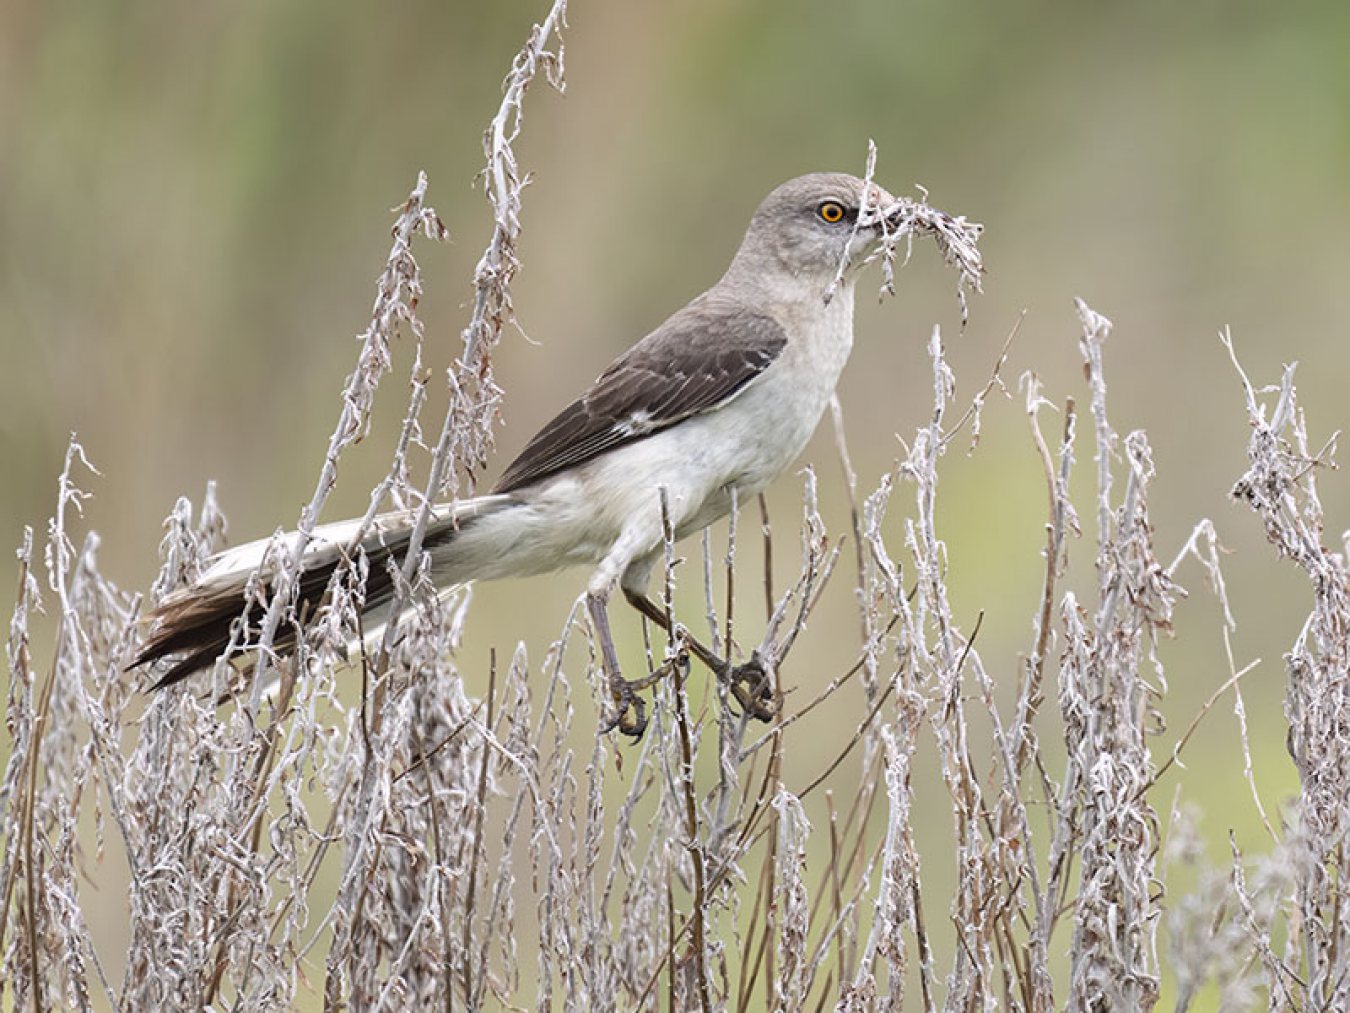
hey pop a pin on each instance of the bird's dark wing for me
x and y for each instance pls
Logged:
(693, 363)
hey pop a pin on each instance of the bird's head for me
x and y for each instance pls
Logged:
(809, 226)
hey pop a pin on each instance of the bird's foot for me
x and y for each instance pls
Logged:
(630, 713)
(750, 683)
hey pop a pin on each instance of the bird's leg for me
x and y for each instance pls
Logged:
(656, 614)
(630, 714)
(749, 683)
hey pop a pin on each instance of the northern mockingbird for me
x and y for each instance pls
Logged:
(714, 403)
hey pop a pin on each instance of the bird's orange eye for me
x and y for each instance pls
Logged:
(831, 211)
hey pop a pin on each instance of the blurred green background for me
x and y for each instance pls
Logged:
(194, 205)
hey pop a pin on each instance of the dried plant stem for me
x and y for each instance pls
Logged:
(465, 432)
(26, 819)
(691, 821)
(480, 811)
(442, 850)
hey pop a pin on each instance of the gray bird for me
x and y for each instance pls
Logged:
(717, 401)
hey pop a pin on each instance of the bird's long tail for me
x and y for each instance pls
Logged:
(195, 626)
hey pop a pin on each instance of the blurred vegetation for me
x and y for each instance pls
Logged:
(193, 200)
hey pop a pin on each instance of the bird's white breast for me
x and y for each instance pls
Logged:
(742, 445)
(788, 401)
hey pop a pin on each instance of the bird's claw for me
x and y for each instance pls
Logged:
(750, 683)
(753, 689)
(630, 713)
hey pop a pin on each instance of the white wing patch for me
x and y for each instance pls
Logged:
(637, 424)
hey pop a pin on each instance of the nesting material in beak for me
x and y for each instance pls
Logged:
(899, 219)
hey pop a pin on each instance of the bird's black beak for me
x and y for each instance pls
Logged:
(881, 214)
(893, 216)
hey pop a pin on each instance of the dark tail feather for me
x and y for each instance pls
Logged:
(192, 627)
(195, 626)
